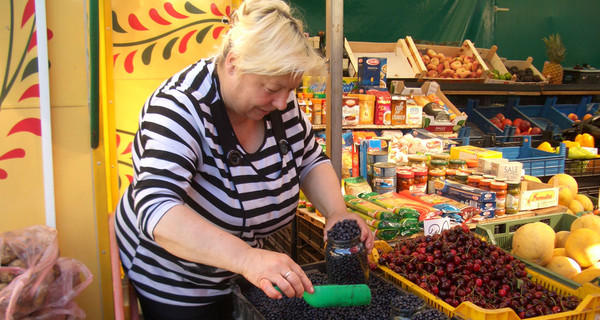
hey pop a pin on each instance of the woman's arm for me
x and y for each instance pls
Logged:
(187, 235)
(322, 188)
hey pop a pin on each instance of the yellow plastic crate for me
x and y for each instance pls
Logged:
(588, 309)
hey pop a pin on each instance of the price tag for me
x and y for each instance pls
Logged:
(434, 226)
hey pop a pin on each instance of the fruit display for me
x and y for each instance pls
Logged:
(523, 127)
(575, 118)
(459, 66)
(569, 196)
(457, 266)
(524, 75)
(570, 253)
(383, 293)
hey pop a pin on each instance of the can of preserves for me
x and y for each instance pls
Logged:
(376, 156)
(384, 169)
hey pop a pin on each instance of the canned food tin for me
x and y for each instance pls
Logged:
(383, 190)
(384, 182)
(384, 169)
(377, 156)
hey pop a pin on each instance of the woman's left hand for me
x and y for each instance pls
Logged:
(366, 236)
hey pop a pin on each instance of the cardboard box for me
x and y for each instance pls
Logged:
(471, 152)
(400, 64)
(536, 195)
(511, 171)
(429, 123)
(485, 164)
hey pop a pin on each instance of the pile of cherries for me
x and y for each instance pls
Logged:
(457, 266)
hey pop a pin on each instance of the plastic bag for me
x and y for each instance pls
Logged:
(42, 285)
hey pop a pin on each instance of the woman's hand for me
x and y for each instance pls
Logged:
(366, 236)
(266, 269)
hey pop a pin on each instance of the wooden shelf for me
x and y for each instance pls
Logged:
(318, 127)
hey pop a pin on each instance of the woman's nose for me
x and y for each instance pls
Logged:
(280, 102)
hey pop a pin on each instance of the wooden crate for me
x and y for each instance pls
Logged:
(494, 62)
(400, 65)
(467, 49)
(523, 65)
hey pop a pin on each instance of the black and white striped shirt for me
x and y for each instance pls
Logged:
(178, 159)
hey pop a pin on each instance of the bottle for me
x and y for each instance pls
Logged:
(322, 43)
(346, 261)
(513, 197)
(406, 179)
(434, 175)
(458, 164)
(500, 189)
(317, 108)
(420, 181)
(473, 180)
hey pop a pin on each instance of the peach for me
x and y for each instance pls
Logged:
(456, 65)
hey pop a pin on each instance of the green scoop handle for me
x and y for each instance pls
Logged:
(336, 295)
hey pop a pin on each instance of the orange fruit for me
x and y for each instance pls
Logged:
(587, 116)
(573, 116)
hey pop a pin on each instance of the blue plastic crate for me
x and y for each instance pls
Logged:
(480, 116)
(580, 109)
(536, 162)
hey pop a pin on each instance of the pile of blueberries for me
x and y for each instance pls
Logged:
(382, 293)
(345, 256)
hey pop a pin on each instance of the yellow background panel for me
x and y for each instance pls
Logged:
(68, 61)
(22, 199)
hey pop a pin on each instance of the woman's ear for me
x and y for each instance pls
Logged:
(230, 60)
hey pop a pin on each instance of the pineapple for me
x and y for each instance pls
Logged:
(556, 51)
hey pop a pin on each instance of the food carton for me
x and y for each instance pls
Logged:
(472, 152)
(430, 92)
(511, 171)
(536, 195)
(372, 72)
(463, 191)
(485, 164)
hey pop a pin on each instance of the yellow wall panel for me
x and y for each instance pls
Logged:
(68, 54)
(22, 199)
(152, 40)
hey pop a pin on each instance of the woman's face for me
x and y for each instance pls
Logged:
(255, 96)
(251, 96)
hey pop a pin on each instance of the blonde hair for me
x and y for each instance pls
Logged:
(267, 40)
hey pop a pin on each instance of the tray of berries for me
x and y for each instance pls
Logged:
(388, 300)
(458, 272)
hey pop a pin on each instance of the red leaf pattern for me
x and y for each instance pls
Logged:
(171, 11)
(31, 125)
(13, 154)
(135, 23)
(184, 41)
(28, 12)
(155, 16)
(31, 92)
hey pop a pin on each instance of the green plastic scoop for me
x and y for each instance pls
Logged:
(337, 295)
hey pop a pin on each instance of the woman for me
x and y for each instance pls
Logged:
(220, 156)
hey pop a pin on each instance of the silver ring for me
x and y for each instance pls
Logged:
(287, 274)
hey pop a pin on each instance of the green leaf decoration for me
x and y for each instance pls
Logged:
(192, 9)
(30, 68)
(147, 54)
(202, 33)
(168, 48)
(115, 23)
